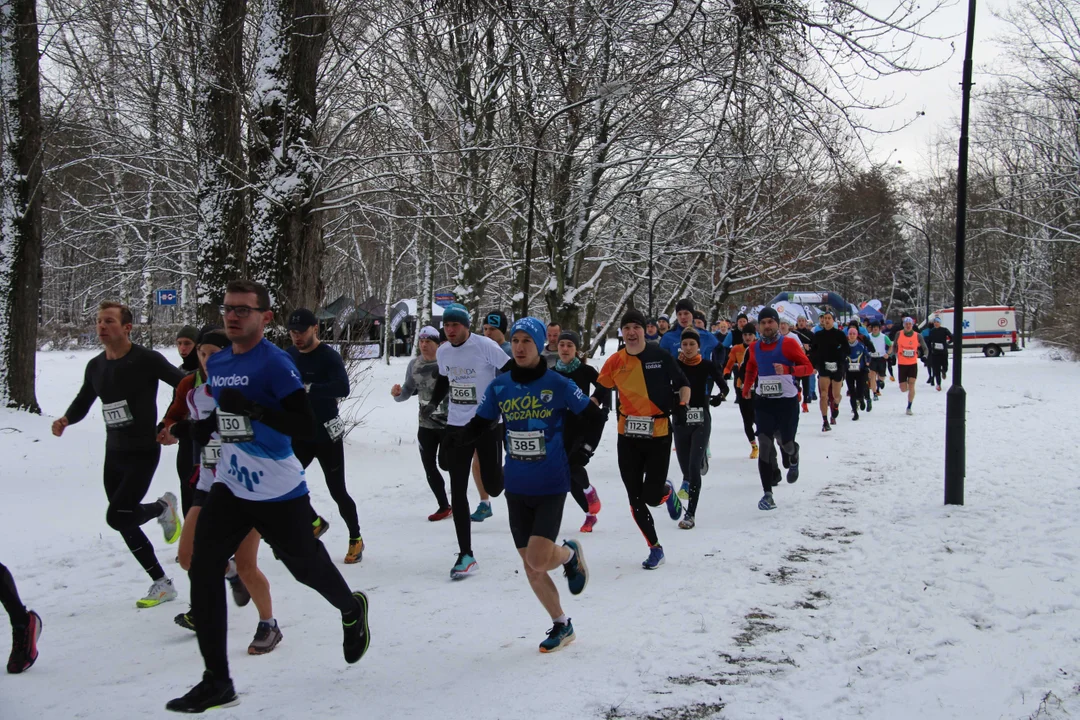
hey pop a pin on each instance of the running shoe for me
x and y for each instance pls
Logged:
(24, 639)
(240, 594)
(655, 559)
(939, 388)
(792, 473)
(835, 414)
(684, 491)
(908, 412)
(169, 519)
(356, 631)
(208, 694)
(483, 512)
(869, 404)
(862, 403)
(754, 451)
(576, 571)
(593, 500)
(587, 526)
(766, 502)
(825, 426)
(320, 526)
(356, 551)
(465, 566)
(162, 591)
(266, 638)
(855, 415)
(687, 523)
(558, 637)
(805, 408)
(185, 620)
(441, 514)
(674, 505)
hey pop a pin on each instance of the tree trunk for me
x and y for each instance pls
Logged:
(287, 246)
(20, 202)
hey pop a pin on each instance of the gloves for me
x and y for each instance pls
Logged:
(580, 455)
(426, 411)
(233, 402)
(678, 415)
(715, 400)
(181, 429)
(204, 429)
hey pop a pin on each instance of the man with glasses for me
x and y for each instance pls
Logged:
(261, 406)
(326, 380)
(125, 378)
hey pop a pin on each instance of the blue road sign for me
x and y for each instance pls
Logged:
(166, 297)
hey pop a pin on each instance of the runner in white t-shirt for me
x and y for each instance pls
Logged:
(467, 365)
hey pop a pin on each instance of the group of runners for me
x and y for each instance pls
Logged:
(516, 407)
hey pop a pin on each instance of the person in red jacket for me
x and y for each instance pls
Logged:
(774, 365)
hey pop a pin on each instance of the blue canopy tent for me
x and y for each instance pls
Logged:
(831, 300)
(870, 315)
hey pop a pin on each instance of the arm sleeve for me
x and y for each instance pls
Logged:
(922, 345)
(408, 388)
(178, 409)
(749, 368)
(678, 377)
(294, 419)
(83, 400)
(164, 371)
(793, 351)
(338, 385)
(731, 360)
(442, 387)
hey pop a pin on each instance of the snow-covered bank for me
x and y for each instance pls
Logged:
(861, 596)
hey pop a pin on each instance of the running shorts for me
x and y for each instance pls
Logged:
(907, 372)
(539, 515)
(836, 375)
(879, 365)
(199, 497)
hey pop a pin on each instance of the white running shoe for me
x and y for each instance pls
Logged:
(162, 591)
(169, 518)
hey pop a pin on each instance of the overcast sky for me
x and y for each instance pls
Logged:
(935, 92)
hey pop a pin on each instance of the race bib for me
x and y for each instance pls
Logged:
(939, 346)
(335, 428)
(526, 445)
(853, 365)
(830, 367)
(773, 388)
(234, 428)
(909, 353)
(639, 426)
(117, 415)
(875, 354)
(211, 454)
(463, 394)
(695, 415)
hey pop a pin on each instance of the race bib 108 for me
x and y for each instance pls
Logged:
(695, 415)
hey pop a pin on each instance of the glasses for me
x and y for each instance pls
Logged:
(241, 311)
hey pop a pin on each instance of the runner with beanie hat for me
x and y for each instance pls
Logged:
(684, 314)
(495, 325)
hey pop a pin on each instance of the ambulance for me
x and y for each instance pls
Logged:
(989, 329)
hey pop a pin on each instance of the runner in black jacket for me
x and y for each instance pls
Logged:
(828, 352)
(940, 341)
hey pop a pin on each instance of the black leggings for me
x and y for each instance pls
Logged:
(224, 522)
(939, 366)
(691, 441)
(456, 459)
(128, 474)
(429, 440)
(185, 468)
(643, 465)
(331, 456)
(9, 598)
(857, 388)
(579, 483)
(746, 408)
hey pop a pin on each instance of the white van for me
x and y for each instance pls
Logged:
(989, 329)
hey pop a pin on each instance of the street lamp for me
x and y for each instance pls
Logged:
(956, 400)
(929, 256)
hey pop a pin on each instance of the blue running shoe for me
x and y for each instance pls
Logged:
(465, 566)
(674, 506)
(558, 637)
(483, 512)
(655, 559)
(766, 502)
(792, 474)
(576, 571)
(684, 491)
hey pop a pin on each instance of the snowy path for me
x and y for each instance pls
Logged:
(861, 596)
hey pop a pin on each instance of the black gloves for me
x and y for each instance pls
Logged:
(203, 429)
(678, 415)
(580, 455)
(233, 402)
(715, 400)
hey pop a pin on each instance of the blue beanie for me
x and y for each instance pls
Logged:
(456, 312)
(536, 329)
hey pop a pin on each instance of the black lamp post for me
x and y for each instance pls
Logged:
(956, 400)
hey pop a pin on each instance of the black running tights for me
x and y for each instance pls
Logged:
(127, 478)
(643, 465)
(9, 598)
(691, 443)
(331, 456)
(429, 440)
(746, 408)
(456, 459)
(579, 483)
(224, 522)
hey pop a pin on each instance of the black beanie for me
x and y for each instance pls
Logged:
(698, 315)
(767, 313)
(571, 336)
(188, 332)
(685, 304)
(748, 328)
(632, 316)
(213, 335)
(691, 334)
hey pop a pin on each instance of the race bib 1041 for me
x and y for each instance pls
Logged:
(771, 388)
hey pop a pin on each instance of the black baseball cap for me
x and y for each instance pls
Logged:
(301, 319)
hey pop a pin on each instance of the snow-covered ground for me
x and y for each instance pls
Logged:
(861, 596)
